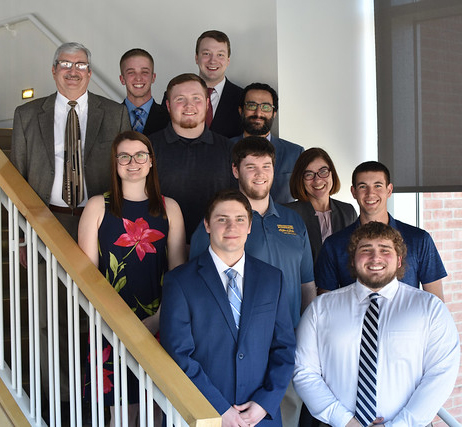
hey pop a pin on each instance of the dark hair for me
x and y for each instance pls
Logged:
(183, 78)
(219, 36)
(225, 196)
(136, 52)
(378, 230)
(371, 166)
(252, 146)
(261, 86)
(297, 186)
(152, 187)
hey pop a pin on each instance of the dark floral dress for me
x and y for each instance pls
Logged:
(133, 258)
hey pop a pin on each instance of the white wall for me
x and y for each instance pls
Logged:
(319, 55)
(326, 76)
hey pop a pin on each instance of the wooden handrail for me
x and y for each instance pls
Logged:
(165, 373)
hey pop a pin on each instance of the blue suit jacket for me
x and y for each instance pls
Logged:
(229, 367)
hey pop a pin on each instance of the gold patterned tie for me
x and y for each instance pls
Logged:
(73, 170)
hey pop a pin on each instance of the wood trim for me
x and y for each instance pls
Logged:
(10, 412)
(165, 373)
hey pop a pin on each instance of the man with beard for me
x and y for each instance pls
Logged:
(278, 236)
(377, 351)
(258, 108)
(193, 162)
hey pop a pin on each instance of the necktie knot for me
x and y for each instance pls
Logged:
(72, 103)
(231, 273)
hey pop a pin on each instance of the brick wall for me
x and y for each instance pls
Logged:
(442, 218)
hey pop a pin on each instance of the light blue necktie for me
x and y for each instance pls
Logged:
(139, 123)
(234, 296)
(366, 406)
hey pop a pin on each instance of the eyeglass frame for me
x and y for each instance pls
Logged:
(85, 65)
(324, 168)
(132, 157)
(256, 104)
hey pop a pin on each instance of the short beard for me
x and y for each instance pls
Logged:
(379, 283)
(251, 129)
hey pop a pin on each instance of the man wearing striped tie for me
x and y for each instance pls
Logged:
(377, 352)
(225, 320)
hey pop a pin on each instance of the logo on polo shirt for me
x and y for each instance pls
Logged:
(287, 229)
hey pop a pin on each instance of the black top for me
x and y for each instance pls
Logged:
(192, 171)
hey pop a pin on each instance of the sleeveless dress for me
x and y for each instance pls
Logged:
(133, 258)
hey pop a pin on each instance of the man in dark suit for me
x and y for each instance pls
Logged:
(258, 108)
(213, 52)
(137, 75)
(37, 145)
(238, 352)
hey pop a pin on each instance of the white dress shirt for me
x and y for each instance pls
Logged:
(418, 354)
(222, 267)
(216, 95)
(61, 110)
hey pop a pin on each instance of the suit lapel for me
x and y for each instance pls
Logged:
(336, 218)
(46, 120)
(209, 273)
(251, 282)
(94, 120)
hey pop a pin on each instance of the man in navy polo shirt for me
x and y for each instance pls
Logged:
(371, 187)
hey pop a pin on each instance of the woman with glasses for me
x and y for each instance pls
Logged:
(134, 235)
(314, 179)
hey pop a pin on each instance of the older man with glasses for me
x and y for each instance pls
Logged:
(258, 108)
(61, 144)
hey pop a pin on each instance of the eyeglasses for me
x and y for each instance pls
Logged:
(265, 106)
(125, 159)
(67, 65)
(322, 173)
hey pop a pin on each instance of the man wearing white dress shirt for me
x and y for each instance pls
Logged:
(213, 55)
(38, 152)
(417, 342)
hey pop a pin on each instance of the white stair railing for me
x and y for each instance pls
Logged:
(58, 276)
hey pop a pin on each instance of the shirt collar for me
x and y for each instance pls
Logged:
(146, 107)
(219, 87)
(388, 292)
(62, 101)
(171, 136)
(222, 266)
(272, 209)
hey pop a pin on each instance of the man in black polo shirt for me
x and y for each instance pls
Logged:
(193, 162)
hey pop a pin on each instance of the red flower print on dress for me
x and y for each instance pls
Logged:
(107, 383)
(140, 236)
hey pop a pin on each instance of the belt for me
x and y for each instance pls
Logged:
(66, 210)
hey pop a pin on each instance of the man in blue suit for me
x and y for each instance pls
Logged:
(225, 320)
(258, 108)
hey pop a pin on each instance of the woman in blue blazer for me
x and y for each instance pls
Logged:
(314, 179)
